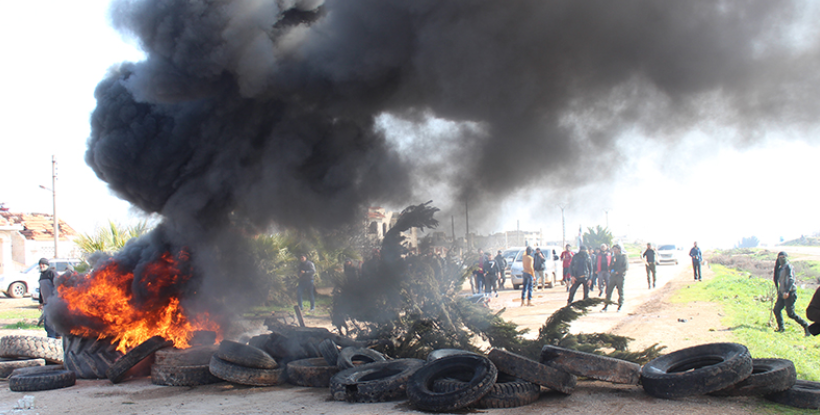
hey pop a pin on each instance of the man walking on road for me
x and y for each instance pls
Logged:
(649, 259)
(566, 260)
(500, 268)
(581, 269)
(538, 264)
(786, 294)
(697, 257)
(602, 268)
(618, 268)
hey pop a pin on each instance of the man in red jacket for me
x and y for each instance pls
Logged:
(566, 261)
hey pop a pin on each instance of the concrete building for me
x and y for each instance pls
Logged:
(27, 237)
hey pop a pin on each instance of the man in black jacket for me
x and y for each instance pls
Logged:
(581, 271)
(618, 268)
(500, 268)
(47, 275)
(539, 264)
(306, 271)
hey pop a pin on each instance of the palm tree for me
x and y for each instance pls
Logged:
(110, 239)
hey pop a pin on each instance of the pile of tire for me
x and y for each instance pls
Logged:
(33, 363)
(246, 364)
(89, 358)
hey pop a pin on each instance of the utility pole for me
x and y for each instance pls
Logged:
(467, 217)
(563, 227)
(56, 225)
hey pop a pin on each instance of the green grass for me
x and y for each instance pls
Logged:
(322, 307)
(747, 310)
(21, 313)
(22, 325)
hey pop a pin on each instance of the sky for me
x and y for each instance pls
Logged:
(693, 189)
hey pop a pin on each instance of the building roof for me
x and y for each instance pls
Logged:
(37, 226)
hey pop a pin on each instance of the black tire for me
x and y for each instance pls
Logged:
(194, 356)
(591, 366)
(34, 347)
(245, 355)
(420, 387)
(696, 370)
(117, 371)
(16, 290)
(246, 375)
(374, 382)
(438, 354)
(259, 341)
(330, 351)
(507, 392)
(804, 394)
(313, 372)
(182, 375)
(41, 378)
(349, 355)
(530, 370)
(9, 365)
(89, 358)
(768, 376)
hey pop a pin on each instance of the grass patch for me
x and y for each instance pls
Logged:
(22, 325)
(747, 304)
(20, 313)
(323, 303)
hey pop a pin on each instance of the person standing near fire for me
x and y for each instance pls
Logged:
(697, 258)
(602, 268)
(527, 277)
(500, 268)
(306, 270)
(650, 261)
(47, 275)
(538, 265)
(581, 273)
(566, 260)
(618, 268)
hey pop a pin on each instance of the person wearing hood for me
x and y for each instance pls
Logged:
(581, 271)
(47, 275)
(618, 268)
(786, 294)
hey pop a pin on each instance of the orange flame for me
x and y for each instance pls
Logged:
(107, 298)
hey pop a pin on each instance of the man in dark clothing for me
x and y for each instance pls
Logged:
(47, 275)
(618, 268)
(490, 276)
(581, 271)
(539, 264)
(500, 269)
(306, 271)
(813, 313)
(649, 259)
(787, 295)
(602, 261)
(697, 258)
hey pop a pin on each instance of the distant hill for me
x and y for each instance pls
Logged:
(803, 241)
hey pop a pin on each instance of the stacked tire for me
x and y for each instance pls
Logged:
(245, 364)
(24, 361)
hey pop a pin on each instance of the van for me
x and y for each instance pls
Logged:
(20, 284)
(552, 266)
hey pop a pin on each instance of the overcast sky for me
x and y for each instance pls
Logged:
(56, 52)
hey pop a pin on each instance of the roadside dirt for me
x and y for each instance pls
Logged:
(648, 317)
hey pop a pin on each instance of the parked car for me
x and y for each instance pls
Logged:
(552, 268)
(669, 254)
(509, 256)
(20, 284)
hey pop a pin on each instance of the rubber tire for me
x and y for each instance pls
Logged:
(438, 354)
(330, 351)
(313, 372)
(420, 387)
(245, 355)
(535, 372)
(33, 347)
(374, 382)
(507, 392)
(117, 371)
(89, 358)
(768, 376)
(182, 375)
(41, 378)
(696, 370)
(804, 394)
(591, 365)
(9, 365)
(194, 356)
(349, 355)
(246, 375)
(16, 290)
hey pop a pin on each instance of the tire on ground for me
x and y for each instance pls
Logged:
(696, 370)
(507, 392)
(34, 347)
(313, 372)
(530, 370)
(804, 394)
(330, 351)
(166, 375)
(438, 354)
(245, 355)
(349, 355)
(40, 378)
(8, 365)
(194, 356)
(591, 365)
(374, 382)
(768, 376)
(117, 371)
(420, 387)
(246, 375)
(89, 358)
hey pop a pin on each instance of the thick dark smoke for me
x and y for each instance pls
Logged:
(266, 110)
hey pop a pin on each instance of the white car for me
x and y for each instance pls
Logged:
(20, 284)
(552, 267)
(668, 254)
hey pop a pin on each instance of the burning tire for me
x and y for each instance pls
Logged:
(697, 370)
(530, 370)
(117, 371)
(591, 365)
(507, 392)
(349, 355)
(804, 394)
(245, 355)
(374, 382)
(420, 389)
(195, 356)
(89, 358)
(33, 347)
(330, 351)
(246, 375)
(313, 372)
(182, 375)
(9, 365)
(768, 376)
(41, 378)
